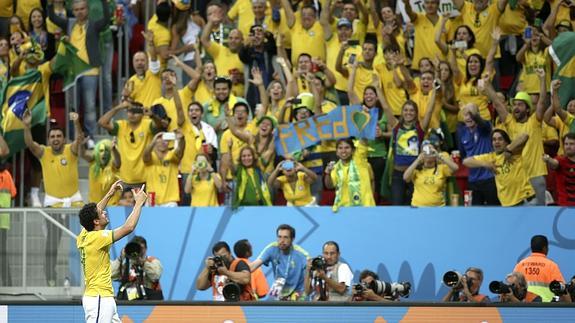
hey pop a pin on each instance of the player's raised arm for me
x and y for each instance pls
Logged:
(130, 225)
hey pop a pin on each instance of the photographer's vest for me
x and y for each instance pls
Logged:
(247, 291)
(334, 296)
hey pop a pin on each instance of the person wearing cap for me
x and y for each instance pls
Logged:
(343, 33)
(230, 146)
(305, 30)
(526, 119)
(559, 19)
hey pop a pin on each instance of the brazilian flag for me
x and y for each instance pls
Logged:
(562, 51)
(68, 64)
(19, 94)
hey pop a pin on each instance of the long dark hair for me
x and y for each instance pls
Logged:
(468, 76)
(471, 41)
(503, 134)
(377, 103)
(414, 105)
(43, 19)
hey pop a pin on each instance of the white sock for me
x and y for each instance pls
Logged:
(34, 190)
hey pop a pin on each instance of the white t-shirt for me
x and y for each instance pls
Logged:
(190, 37)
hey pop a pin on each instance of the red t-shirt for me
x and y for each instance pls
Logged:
(565, 181)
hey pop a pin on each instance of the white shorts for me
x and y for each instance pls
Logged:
(100, 309)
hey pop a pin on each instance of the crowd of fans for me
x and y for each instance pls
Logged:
(467, 88)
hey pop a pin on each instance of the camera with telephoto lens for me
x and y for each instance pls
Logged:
(497, 287)
(560, 288)
(218, 262)
(318, 263)
(384, 289)
(453, 279)
(232, 291)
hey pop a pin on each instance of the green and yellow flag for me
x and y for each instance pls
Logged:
(68, 64)
(562, 51)
(21, 93)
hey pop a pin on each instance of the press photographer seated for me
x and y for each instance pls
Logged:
(513, 290)
(464, 288)
(138, 273)
(229, 278)
(370, 288)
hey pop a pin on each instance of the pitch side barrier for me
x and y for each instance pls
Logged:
(399, 243)
(171, 311)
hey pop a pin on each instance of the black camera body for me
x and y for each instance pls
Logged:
(453, 279)
(218, 262)
(318, 263)
(384, 289)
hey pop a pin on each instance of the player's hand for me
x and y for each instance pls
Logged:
(141, 196)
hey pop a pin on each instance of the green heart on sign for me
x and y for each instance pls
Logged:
(360, 119)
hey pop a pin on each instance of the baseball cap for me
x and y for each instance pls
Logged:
(344, 22)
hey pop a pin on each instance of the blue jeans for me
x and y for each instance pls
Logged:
(401, 191)
(86, 88)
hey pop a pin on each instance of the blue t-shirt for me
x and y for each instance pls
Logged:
(294, 273)
(475, 142)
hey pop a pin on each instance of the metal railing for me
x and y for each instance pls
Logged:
(40, 257)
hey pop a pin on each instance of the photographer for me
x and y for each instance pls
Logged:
(328, 279)
(138, 273)
(514, 290)
(363, 292)
(466, 288)
(229, 278)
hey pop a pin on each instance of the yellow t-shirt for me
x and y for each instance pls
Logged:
(205, 192)
(469, 93)
(242, 12)
(422, 101)
(162, 35)
(332, 49)
(533, 150)
(306, 40)
(60, 172)
(203, 93)
(24, 8)
(225, 61)
(512, 22)
(46, 70)
(482, 24)
(461, 58)
(429, 186)
(394, 95)
(563, 128)
(100, 185)
(94, 249)
(147, 89)
(363, 78)
(186, 96)
(131, 145)
(193, 138)
(78, 39)
(529, 79)
(13, 57)
(6, 8)
(300, 193)
(162, 177)
(512, 183)
(425, 45)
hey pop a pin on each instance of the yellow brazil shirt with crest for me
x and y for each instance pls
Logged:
(131, 145)
(162, 177)
(533, 150)
(60, 172)
(365, 177)
(429, 186)
(78, 39)
(162, 35)
(146, 89)
(94, 249)
(204, 191)
(425, 45)
(310, 41)
(299, 194)
(512, 183)
(226, 61)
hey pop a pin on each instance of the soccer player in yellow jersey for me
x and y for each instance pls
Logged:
(94, 244)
